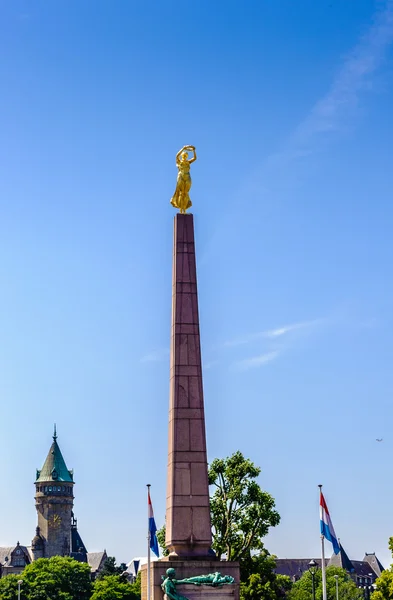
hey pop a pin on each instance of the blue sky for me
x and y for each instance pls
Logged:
(289, 106)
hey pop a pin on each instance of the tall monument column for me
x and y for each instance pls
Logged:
(188, 527)
(191, 571)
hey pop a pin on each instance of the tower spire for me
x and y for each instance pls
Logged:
(54, 501)
(55, 468)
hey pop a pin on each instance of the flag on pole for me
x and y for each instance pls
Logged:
(152, 528)
(327, 529)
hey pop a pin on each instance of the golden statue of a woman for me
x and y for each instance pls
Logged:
(181, 198)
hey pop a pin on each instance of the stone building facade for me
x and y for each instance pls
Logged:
(56, 532)
(363, 572)
(54, 501)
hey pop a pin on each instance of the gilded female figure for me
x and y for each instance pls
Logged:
(181, 198)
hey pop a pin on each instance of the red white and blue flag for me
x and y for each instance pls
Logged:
(327, 529)
(153, 542)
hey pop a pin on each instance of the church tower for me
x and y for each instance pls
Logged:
(54, 500)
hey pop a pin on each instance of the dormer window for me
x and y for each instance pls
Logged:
(54, 474)
(18, 559)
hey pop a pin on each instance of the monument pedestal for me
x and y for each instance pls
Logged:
(190, 568)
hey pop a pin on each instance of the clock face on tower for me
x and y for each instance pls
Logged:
(55, 521)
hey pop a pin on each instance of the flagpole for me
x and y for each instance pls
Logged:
(324, 593)
(148, 545)
(323, 565)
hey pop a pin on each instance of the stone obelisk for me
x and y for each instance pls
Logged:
(188, 527)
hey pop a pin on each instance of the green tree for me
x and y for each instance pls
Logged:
(241, 515)
(384, 583)
(384, 586)
(347, 590)
(9, 588)
(258, 579)
(136, 586)
(110, 568)
(113, 587)
(161, 540)
(57, 578)
(241, 511)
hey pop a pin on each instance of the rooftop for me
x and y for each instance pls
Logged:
(54, 468)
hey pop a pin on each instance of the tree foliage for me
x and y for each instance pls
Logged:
(63, 578)
(57, 578)
(241, 511)
(113, 587)
(110, 568)
(241, 514)
(137, 585)
(9, 588)
(384, 583)
(347, 590)
(258, 579)
(161, 540)
(384, 586)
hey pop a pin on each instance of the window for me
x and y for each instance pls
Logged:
(59, 489)
(19, 561)
(46, 488)
(50, 488)
(360, 579)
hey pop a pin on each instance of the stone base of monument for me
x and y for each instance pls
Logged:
(190, 568)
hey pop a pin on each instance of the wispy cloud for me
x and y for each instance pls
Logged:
(257, 361)
(156, 355)
(280, 331)
(353, 77)
(275, 341)
(330, 114)
(271, 333)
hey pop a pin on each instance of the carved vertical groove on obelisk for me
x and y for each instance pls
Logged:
(188, 526)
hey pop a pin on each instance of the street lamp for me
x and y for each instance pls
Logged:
(19, 584)
(313, 567)
(336, 578)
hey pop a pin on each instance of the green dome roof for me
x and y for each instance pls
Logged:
(54, 468)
